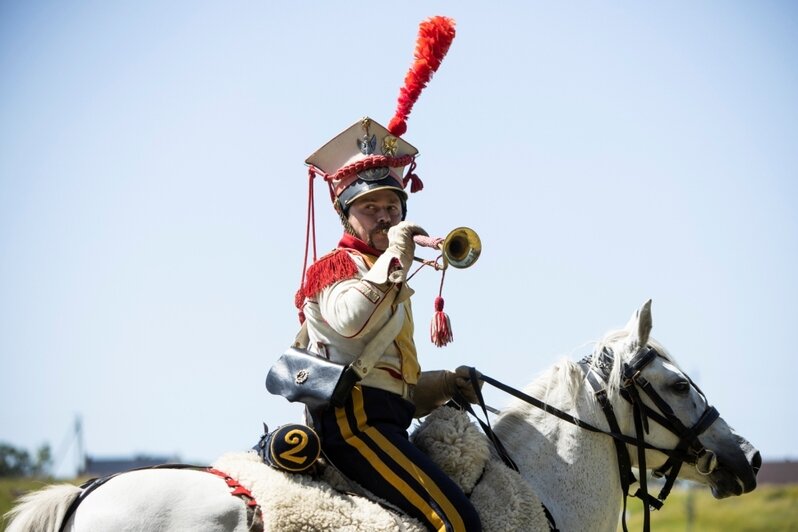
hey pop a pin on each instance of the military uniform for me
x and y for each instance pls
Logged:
(367, 438)
(345, 317)
(356, 301)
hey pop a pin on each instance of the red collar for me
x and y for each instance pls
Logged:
(351, 242)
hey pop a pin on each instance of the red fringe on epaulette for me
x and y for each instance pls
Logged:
(328, 270)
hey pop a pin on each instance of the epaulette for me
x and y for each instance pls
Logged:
(337, 265)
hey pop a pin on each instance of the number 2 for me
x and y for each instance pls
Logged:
(299, 440)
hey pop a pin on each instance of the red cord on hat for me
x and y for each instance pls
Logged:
(415, 182)
(372, 161)
(310, 233)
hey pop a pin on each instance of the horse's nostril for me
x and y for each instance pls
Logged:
(756, 462)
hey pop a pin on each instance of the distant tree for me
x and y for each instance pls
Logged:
(13, 462)
(44, 459)
(16, 462)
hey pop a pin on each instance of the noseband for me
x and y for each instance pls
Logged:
(688, 450)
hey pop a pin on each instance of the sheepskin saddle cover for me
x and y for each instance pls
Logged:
(295, 502)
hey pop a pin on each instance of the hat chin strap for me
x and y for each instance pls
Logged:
(348, 229)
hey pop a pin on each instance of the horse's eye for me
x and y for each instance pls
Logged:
(681, 387)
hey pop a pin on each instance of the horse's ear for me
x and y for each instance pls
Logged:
(640, 324)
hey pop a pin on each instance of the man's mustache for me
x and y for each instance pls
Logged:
(381, 228)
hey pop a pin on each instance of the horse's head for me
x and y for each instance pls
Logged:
(673, 412)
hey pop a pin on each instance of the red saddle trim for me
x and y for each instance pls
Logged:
(256, 522)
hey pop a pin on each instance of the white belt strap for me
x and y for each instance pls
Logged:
(373, 350)
(377, 346)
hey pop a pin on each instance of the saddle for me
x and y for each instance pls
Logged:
(327, 500)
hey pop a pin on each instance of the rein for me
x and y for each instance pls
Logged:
(688, 450)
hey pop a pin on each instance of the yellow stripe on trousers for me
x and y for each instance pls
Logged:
(385, 471)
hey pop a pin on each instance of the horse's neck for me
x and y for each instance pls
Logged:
(573, 471)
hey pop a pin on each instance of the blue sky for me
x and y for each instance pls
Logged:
(153, 192)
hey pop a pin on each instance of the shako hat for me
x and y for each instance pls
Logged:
(363, 158)
(368, 156)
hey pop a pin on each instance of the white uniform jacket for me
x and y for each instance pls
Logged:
(345, 316)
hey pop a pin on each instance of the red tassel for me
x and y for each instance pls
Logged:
(416, 185)
(435, 35)
(441, 328)
(415, 182)
(299, 302)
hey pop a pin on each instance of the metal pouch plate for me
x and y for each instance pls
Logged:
(301, 376)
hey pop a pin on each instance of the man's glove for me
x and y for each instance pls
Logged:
(459, 382)
(435, 388)
(401, 247)
(401, 244)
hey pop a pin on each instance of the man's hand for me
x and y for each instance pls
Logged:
(459, 382)
(434, 388)
(401, 247)
(400, 240)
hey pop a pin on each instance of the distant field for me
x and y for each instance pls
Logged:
(767, 509)
(10, 489)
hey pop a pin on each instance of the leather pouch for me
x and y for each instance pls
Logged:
(301, 376)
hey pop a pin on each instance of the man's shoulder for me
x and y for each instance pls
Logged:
(338, 265)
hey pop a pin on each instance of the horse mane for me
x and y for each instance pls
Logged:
(563, 381)
(624, 347)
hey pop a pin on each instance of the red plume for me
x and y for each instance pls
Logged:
(435, 35)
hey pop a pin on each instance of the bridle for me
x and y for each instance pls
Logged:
(688, 450)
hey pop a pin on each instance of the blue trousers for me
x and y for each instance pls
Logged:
(367, 440)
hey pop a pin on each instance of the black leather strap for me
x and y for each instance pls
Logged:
(488, 430)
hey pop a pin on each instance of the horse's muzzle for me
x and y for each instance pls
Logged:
(736, 474)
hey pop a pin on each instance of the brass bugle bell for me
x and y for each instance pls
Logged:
(460, 248)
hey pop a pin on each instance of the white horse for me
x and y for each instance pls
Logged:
(573, 471)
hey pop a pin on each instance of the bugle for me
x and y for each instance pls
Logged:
(460, 248)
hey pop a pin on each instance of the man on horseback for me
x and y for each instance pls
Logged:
(356, 299)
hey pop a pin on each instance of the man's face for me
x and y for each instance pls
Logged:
(373, 214)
